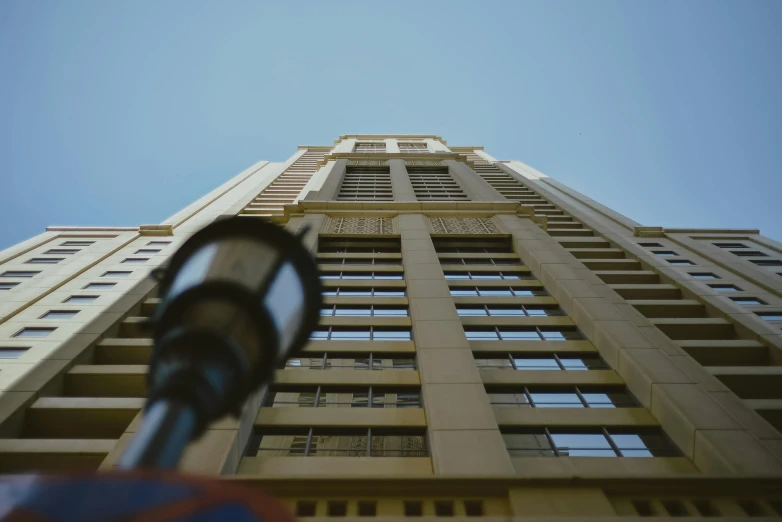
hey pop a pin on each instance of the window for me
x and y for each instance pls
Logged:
(473, 508)
(365, 292)
(766, 262)
(650, 245)
(7, 286)
(115, 274)
(158, 243)
(730, 245)
(414, 508)
(352, 442)
(369, 333)
(99, 286)
(77, 243)
(680, 262)
(530, 333)
(59, 314)
(675, 508)
(413, 148)
(749, 253)
(490, 276)
(359, 261)
(434, 184)
(12, 352)
(443, 508)
(367, 508)
(305, 508)
(704, 275)
(44, 260)
(370, 147)
(34, 332)
(383, 276)
(531, 361)
(18, 273)
(748, 301)
(135, 260)
(511, 261)
(614, 442)
(508, 311)
(336, 508)
(563, 397)
(80, 299)
(147, 251)
(62, 251)
(364, 311)
(497, 292)
(354, 361)
(366, 184)
(664, 253)
(342, 397)
(726, 288)
(770, 316)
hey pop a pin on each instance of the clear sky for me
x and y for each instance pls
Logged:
(120, 113)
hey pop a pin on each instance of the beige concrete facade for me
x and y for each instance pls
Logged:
(492, 344)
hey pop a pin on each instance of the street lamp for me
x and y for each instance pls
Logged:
(239, 297)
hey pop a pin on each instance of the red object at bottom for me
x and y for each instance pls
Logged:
(133, 496)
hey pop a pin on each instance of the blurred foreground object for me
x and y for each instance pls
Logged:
(133, 496)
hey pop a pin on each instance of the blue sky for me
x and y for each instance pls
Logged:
(120, 113)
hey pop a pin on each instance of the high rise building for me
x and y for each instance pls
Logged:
(493, 344)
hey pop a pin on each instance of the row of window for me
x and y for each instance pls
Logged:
(405, 148)
(411, 508)
(363, 311)
(374, 397)
(498, 292)
(369, 333)
(528, 442)
(730, 246)
(359, 261)
(516, 333)
(510, 261)
(508, 311)
(489, 276)
(365, 292)
(363, 361)
(326, 397)
(386, 276)
(531, 361)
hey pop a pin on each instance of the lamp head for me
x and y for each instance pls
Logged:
(238, 297)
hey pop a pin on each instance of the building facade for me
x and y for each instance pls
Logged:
(492, 344)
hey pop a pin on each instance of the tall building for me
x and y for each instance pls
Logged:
(492, 344)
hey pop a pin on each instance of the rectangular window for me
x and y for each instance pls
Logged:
(726, 288)
(12, 352)
(749, 253)
(81, 299)
(99, 286)
(59, 314)
(730, 245)
(158, 243)
(62, 251)
(563, 397)
(135, 260)
(766, 262)
(364, 292)
(383, 276)
(19, 273)
(680, 262)
(613, 442)
(413, 148)
(147, 251)
(544, 362)
(44, 260)
(369, 147)
(664, 253)
(116, 274)
(770, 316)
(345, 397)
(650, 245)
(704, 275)
(77, 243)
(356, 361)
(498, 292)
(369, 333)
(7, 286)
(366, 184)
(333, 442)
(434, 184)
(34, 332)
(748, 301)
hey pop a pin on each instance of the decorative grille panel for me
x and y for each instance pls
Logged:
(343, 225)
(454, 225)
(434, 184)
(413, 148)
(370, 147)
(366, 184)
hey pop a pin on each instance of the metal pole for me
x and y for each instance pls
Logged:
(164, 434)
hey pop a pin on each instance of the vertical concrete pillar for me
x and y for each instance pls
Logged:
(462, 429)
(346, 145)
(330, 188)
(392, 146)
(436, 145)
(400, 181)
(477, 188)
